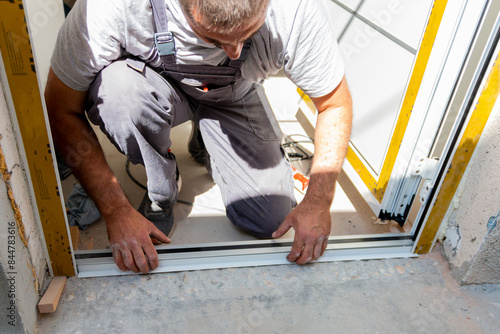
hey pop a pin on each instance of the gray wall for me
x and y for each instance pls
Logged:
(471, 245)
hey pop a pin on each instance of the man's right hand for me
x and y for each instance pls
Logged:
(130, 236)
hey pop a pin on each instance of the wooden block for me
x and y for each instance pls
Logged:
(50, 299)
(87, 243)
(75, 236)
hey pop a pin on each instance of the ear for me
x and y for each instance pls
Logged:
(196, 15)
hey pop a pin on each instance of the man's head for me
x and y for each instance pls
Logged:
(225, 23)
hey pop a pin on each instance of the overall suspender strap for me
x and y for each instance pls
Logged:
(164, 40)
(160, 15)
(237, 63)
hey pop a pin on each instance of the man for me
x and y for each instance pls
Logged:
(205, 64)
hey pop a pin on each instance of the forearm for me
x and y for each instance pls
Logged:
(311, 219)
(331, 140)
(76, 142)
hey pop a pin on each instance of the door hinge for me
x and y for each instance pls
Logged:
(426, 169)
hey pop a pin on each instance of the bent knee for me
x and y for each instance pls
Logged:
(260, 216)
(118, 86)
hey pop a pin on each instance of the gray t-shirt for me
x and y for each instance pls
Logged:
(297, 36)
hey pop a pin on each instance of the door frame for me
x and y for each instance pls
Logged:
(23, 87)
(53, 220)
(360, 174)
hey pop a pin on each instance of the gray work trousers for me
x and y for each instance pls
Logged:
(137, 110)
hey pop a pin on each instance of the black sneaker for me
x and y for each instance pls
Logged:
(162, 219)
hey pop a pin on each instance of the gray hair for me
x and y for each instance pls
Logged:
(224, 14)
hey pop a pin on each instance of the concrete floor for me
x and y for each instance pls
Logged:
(377, 296)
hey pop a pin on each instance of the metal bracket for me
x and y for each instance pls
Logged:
(425, 191)
(426, 169)
(165, 43)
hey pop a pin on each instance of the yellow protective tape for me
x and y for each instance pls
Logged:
(307, 100)
(462, 157)
(19, 65)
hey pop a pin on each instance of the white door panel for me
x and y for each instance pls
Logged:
(377, 70)
(340, 18)
(352, 4)
(405, 19)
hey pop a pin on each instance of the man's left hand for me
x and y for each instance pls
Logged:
(311, 219)
(312, 225)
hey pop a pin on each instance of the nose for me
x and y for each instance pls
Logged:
(233, 51)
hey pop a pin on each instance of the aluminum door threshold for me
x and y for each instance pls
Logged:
(249, 254)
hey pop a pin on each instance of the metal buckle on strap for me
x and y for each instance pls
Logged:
(165, 44)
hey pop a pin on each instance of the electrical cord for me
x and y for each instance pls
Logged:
(289, 142)
(127, 169)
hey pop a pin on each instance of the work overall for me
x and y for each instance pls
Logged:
(136, 106)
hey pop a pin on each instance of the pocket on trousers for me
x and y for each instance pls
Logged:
(261, 117)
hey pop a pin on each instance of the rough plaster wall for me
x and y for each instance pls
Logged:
(31, 259)
(475, 202)
(486, 266)
(20, 283)
(8, 312)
